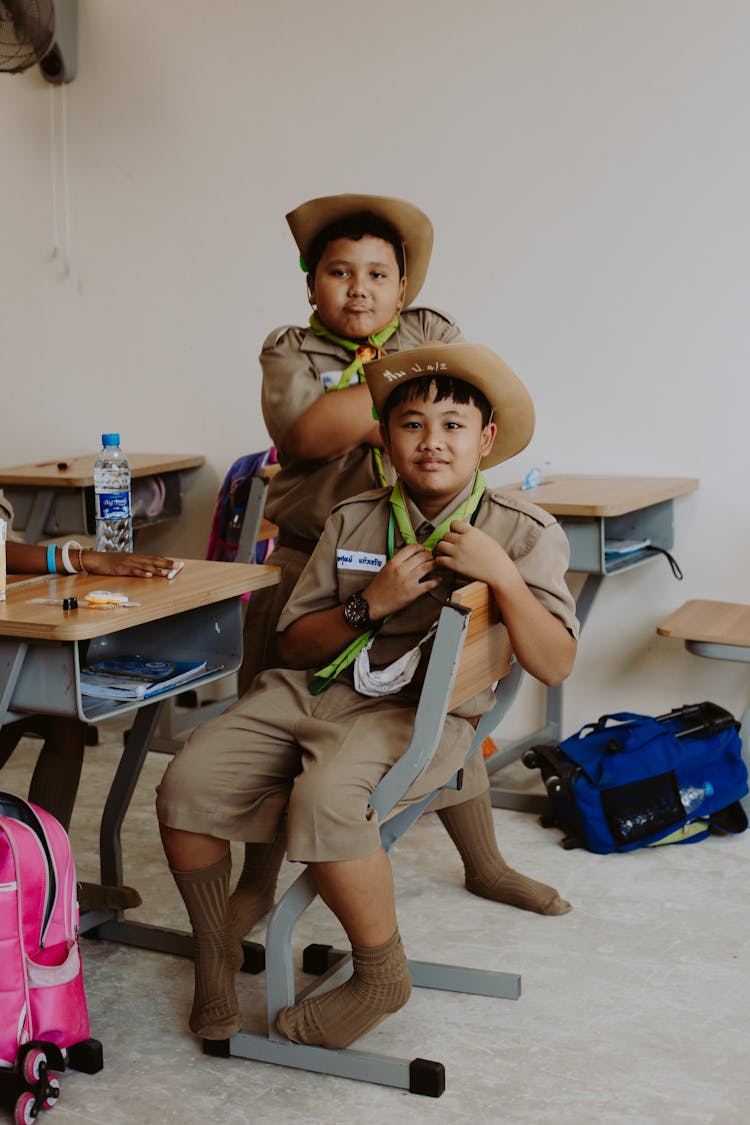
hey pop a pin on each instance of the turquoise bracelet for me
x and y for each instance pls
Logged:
(51, 568)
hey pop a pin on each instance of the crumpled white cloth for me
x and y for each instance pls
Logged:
(392, 678)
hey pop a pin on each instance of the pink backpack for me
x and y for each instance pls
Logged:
(44, 1023)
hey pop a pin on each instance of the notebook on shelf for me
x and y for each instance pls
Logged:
(138, 677)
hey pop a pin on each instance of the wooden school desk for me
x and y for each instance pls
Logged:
(57, 497)
(197, 615)
(718, 631)
(593, 511)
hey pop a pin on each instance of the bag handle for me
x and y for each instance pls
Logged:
(617, 716)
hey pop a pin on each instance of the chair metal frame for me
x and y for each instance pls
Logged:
(440, 693)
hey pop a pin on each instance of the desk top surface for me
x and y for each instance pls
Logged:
(721, 623)
(78, 472)
(582, 495)
(199, 583)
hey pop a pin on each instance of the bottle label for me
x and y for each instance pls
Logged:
(112, 505)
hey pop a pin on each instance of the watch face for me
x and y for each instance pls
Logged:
(357, 612)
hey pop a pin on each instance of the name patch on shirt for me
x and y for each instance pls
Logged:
(359, 560)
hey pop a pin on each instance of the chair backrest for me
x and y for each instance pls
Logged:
(486, 655)
(470, 652)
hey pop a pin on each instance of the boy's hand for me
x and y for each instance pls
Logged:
(124, 564)
(466, 550)
(403, 579)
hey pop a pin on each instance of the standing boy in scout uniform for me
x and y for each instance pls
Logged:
(312, 740)
(366, 259)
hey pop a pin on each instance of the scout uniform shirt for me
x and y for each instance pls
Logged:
(297, 367)
(353, 547)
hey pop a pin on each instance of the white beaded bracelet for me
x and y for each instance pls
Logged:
(69, 568)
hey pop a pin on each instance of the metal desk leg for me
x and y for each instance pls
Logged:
(111, 925)
(12, 656)
(738, 654)
(550, 732)
(121, 792)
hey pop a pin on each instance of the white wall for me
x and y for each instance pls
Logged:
(587, 168)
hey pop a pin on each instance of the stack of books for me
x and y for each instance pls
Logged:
(138, 677)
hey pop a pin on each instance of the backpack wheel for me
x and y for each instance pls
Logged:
(24, 1111)
(34, 1066)
(52, 1093)
(554, 786)
(530, 759)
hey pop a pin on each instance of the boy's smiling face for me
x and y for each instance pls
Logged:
(436, 447)
(357, 288)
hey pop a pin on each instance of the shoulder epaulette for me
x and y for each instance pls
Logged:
(519, 504)
(431, 309)
(372, 496)
(273, 339)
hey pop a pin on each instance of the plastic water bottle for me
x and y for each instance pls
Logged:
(693, 796)
(114, 526)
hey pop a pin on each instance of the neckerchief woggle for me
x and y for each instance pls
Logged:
(356, 367)
(361, 350)
(398, 516)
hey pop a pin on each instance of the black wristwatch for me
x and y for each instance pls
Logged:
(357, 612)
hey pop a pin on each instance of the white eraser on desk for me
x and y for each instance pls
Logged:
(175, 569)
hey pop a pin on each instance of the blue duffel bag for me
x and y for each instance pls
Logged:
(631, 780)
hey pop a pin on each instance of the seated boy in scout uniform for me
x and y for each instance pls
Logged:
(310, 741)
(366, 259)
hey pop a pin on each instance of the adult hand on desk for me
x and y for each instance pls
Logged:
(123, 564)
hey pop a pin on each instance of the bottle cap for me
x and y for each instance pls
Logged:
(110, 439)
(70, 603)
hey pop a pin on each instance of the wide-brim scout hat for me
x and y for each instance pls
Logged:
(512, 408)
(415, 229)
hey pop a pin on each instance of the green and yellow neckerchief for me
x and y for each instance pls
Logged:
(362, 351)
(397, 517)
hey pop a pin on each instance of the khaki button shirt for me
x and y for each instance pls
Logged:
(353, 547)
(295, 363)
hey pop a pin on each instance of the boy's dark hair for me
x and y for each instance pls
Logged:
(446, 386)
(355, 226)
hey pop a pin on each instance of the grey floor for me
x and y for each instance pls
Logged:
(633, 1010)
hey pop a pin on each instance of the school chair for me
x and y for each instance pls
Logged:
(471, 651)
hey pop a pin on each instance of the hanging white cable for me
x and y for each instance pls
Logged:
(53, 169)
(66, 185)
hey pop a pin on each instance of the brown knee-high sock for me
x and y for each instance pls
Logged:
(54, 783)
(256, 887)
(216, 1010)
(471, 829)
(379, 985)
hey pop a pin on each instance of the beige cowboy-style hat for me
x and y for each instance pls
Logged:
(412, 224)
(513, 410)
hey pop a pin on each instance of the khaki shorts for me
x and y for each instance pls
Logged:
(316, 758)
